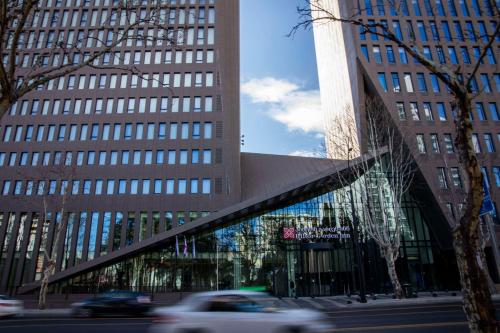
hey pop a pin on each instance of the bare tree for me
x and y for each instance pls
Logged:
(478, 305)
(64, 176)
(129, 20)
(384, 176)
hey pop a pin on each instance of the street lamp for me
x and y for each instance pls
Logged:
(361, 268)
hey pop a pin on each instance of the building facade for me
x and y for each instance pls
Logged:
(139, 152)
(452, 33)
(143, 173)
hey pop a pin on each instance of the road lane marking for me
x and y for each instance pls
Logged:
(398, 313)
(393, 327)
(75, 324)
(357, 310)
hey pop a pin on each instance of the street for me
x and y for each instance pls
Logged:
(431, 318)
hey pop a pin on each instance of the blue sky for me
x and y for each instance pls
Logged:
(279, 84)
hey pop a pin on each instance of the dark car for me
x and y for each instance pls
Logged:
(113, 303)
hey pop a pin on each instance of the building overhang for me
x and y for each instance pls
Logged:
(320, 182)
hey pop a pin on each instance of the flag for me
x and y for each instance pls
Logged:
(185, 249)
(194, 247)
(176, 246)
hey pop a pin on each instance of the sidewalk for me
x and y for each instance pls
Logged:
(382, 300)
(317, 303)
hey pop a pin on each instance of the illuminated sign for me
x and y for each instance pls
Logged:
(317, 233)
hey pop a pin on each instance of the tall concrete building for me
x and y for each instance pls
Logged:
(354, 65)
(140, 152)
(159, 197)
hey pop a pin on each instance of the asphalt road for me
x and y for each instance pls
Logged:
(409, 319)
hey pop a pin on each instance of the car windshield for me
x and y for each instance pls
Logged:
(232, 303)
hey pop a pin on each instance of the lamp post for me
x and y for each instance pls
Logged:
(359, 256)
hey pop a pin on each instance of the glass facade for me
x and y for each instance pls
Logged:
(303, 248)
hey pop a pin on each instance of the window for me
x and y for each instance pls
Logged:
(195, 156)
(496, 174)
(486, 83)
(207, 156)
(382, 81)
(422, 86)
(171, 157)
(185, 131)
(448, 143)
(206, 186)
(441, 173)
(414, 111)
(434, 83)
(376, 54)
(455, 177)
(488, 140)
(493, 111)
(395, 82)
(364, 50)
(169, 186)
(183, 156)
(480, 111)
(194, 186)
(428, 111)
(475, 143)
(390, 55)
(400, 107)
(408, 82)
(173, 131)
(134, 185)
(159, 156)
(145, 186)
(421, 144)
(182, 184)
(148, 157)
(440, 54)
(157, 186)
(441, 111)
(435, 143)
(137, 157)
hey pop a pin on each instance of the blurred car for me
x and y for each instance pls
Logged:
(113, 303)
(236, 312)
(10, 307)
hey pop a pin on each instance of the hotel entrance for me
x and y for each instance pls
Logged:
(323, 269)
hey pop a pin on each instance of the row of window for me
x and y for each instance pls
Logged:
(440, 53)
(114, 3)
(107, 186)
(106, 37)
(427, 7)
(428, 113)
(111, 223)
(453, 176)
(112, 17)
(85, 226)
(114, 157)
(111, 105)
(422, 82)
(155, 80)
(488, 146)
(73, 132)
(124, 58)
(429, 30)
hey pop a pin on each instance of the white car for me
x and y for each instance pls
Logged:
(236, 311)
(10, 307)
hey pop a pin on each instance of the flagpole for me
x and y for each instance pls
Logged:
(216, 263)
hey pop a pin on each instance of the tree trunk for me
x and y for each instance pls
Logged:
(44, 286)
(478, 305)
(393, 275)
(4, 106)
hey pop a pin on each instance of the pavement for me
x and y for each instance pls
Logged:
(326, 303)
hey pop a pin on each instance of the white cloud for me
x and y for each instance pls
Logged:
(287, 103)
(304, 153)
